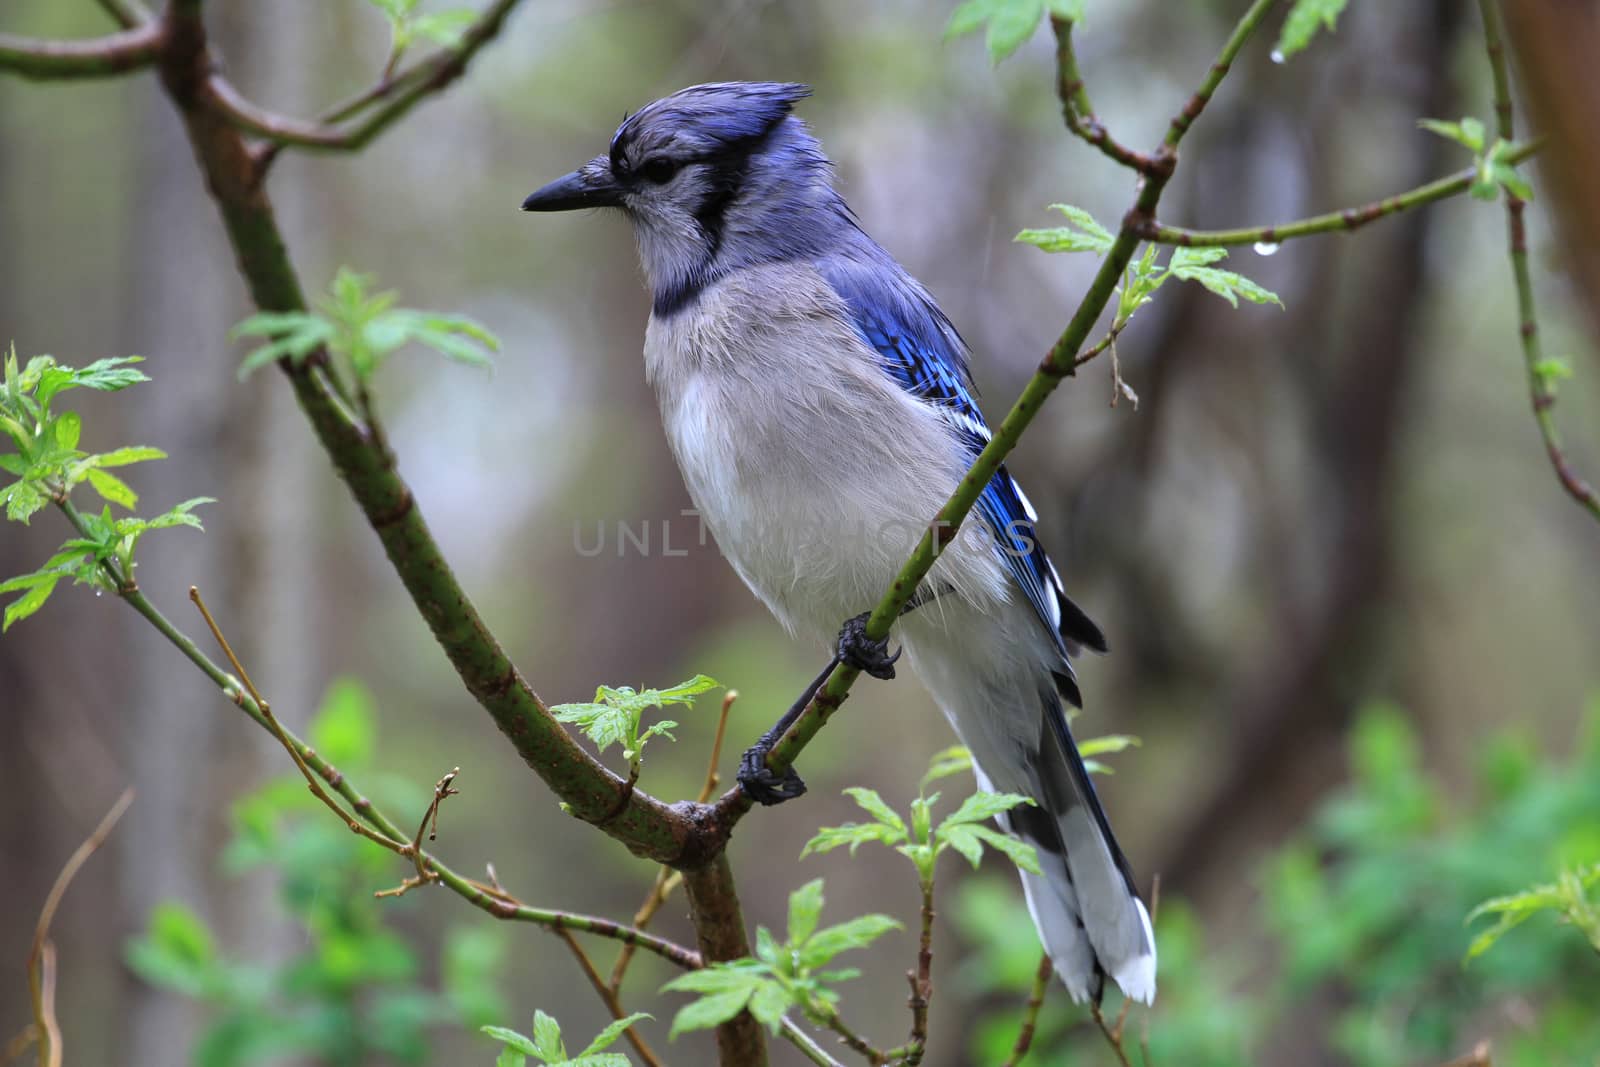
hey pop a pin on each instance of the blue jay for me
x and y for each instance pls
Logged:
(819, 405)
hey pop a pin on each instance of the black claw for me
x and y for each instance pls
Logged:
(862, 652)
(761, 785)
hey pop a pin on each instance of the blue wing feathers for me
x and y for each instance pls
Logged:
(924, 354)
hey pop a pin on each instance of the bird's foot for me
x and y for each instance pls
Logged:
(761, 785)
(862, 652)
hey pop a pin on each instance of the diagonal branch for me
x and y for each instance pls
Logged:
(97, 57)
(1056, 365)
(1540, 386)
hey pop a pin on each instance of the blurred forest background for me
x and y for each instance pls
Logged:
(1310, 511)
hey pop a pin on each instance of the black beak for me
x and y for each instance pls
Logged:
(589, 186)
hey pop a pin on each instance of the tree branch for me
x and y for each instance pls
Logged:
(97, 57)
(1351, 218)
(1056, 365)
(1541, 389)
(719, 929)
(127, 13)
(397, 92)
(1078, 112)
(1030, 1012)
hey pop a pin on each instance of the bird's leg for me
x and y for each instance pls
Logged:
(862, 652)
(755, 777)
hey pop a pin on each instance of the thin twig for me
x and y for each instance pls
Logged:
(126, 13)
(853, 1040)
(801, 1040)
(1350, 218)
(42, 953)
(609, 997)
(1113, 1035)
(276, 728)
(921, 981)
(1076, 110)
(430, 823)
(19, 1044)
(95, 57)
(1030, 1012)
(397, 93)
(1540, 388)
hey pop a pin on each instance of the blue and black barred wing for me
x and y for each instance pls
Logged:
(922, 352)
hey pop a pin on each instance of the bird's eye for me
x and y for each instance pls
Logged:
(659, 170)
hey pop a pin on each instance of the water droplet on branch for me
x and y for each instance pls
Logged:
(1266, 248)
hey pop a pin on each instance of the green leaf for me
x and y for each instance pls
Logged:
(1188, 265)
(683, 692)
(873, 804)
(853, 834)
(768, 1004)
(344, 728)
(104, 375)
(69, 427)
(718, 978)
(511, 1038)
(1010, 22)
(12, 463)
(1100, 746)
(112, 488)
(608, 1037)
(981, 806)
(122, 457)
(805, 908)
(443, 27)
(1305, 19)
(711, 1011)
(547, 1037)
(29, 602)
(600, 723)
(22, 500)
(178, 930)
(860, 932)
(1082, 234)
(951, 761)
(179, 515)
(1016, 850)
(1468, 132)
(510, 1057)
(964, 841)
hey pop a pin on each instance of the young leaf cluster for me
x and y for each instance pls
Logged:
(782, 975)
(1009, 22)
(362, 329)
(1568, 897)
(1305, 18)
(965, 830)
(407, 26)
(1489, 158)
(615, 715)
(546, 1046)
(48, 465)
